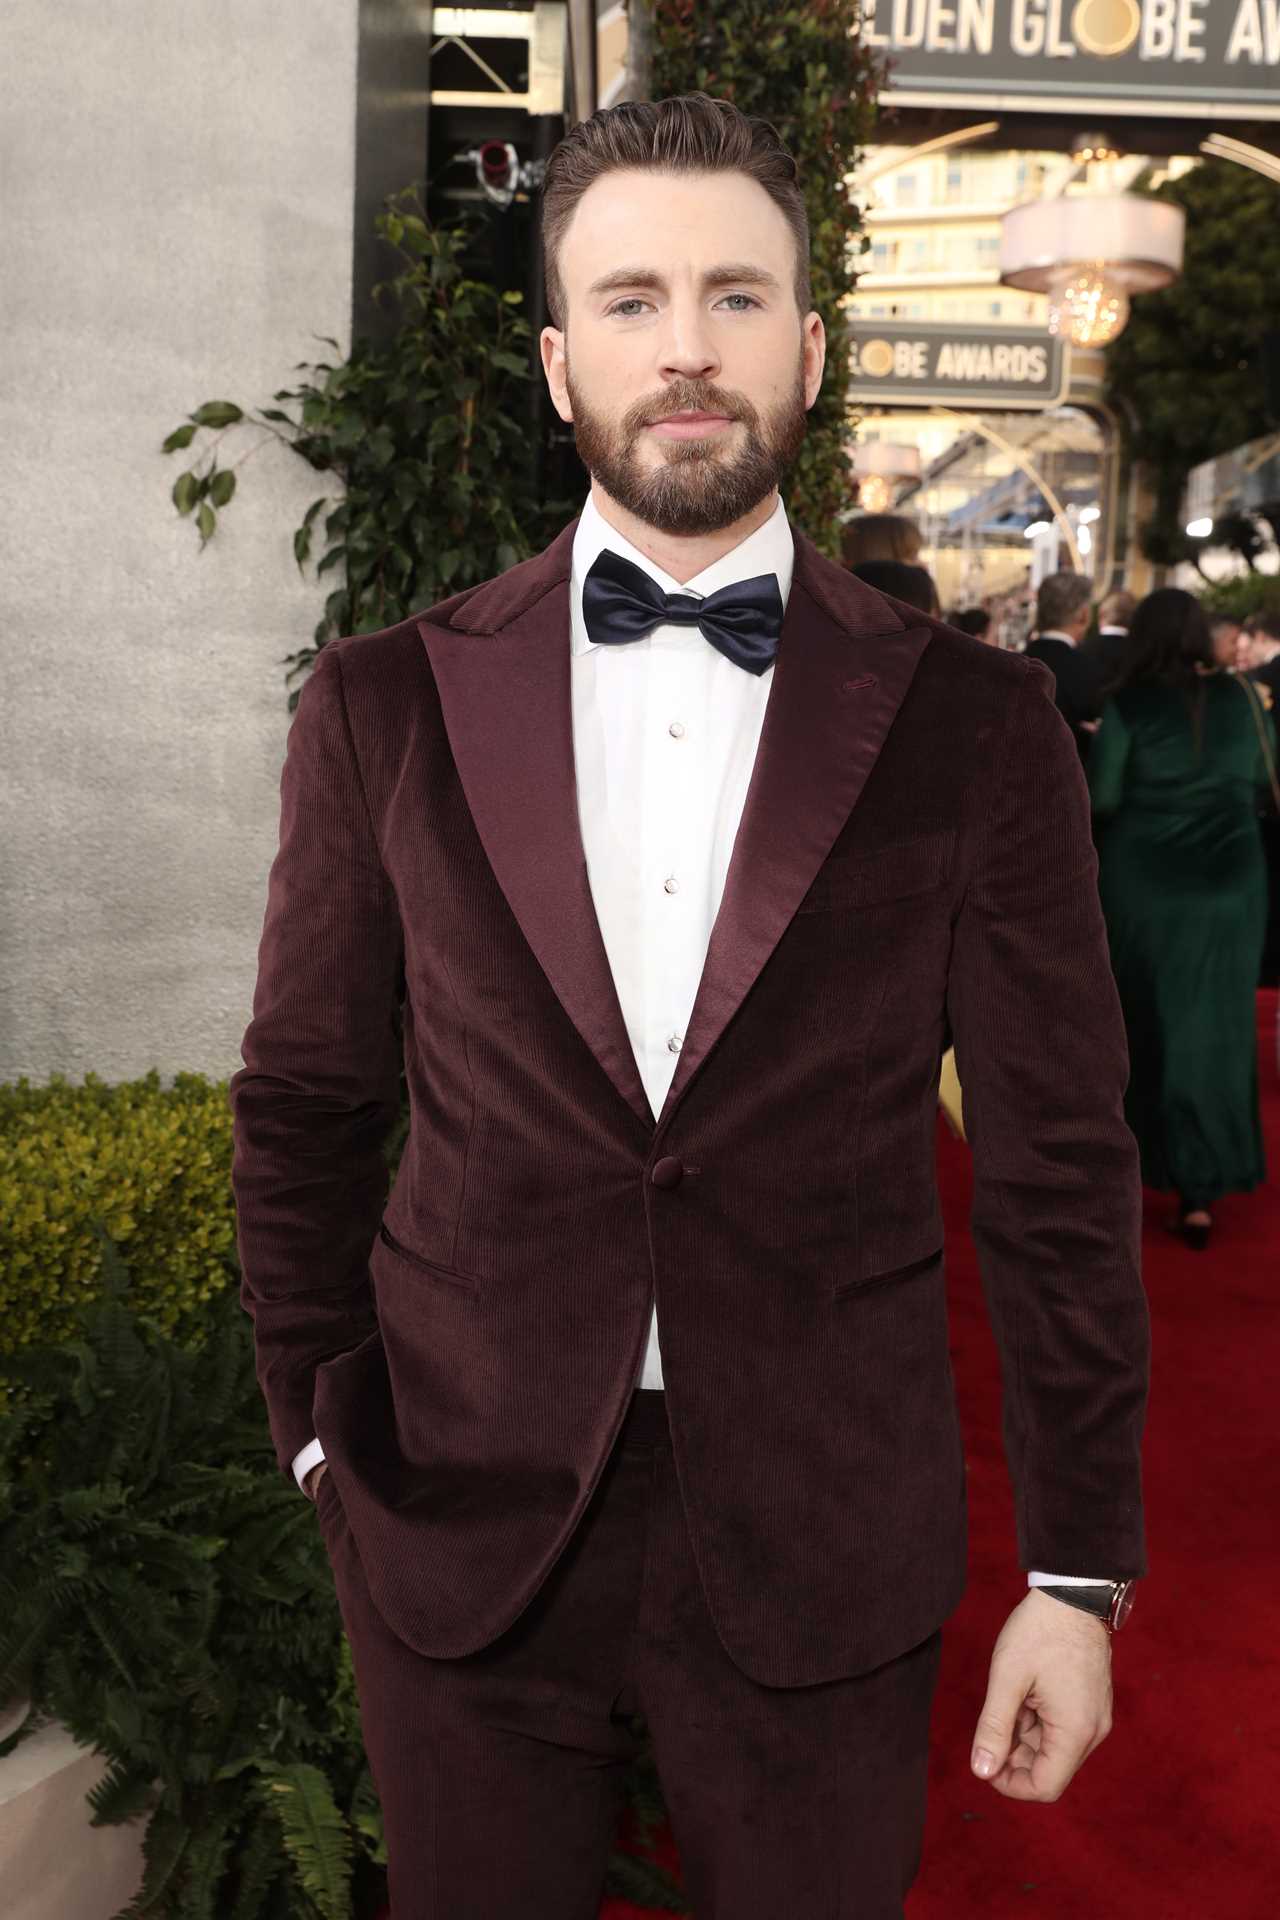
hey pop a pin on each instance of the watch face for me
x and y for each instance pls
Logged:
(1121, 1605)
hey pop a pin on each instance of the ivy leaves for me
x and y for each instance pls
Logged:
(426, 437)
(203, 493)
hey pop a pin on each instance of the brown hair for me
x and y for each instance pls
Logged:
(880, 536)
(690, 133)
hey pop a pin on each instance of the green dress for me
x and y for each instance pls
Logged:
(1184, 890)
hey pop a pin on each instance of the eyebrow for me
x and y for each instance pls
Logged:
(732, 273)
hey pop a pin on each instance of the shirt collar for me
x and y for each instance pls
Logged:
(770, 549)
(1052, 633)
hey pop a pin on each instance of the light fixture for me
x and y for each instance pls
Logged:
(1084, 540)
(1087, 305)
(1089, 514)
(1199, 529)
(1036, 528)
(1094, 146)
(875, 494)
(881, 466)
(1089, 253)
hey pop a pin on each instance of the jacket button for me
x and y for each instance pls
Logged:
(667, 1172)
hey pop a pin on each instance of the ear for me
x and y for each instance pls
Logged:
(555, 367)
(815, 356)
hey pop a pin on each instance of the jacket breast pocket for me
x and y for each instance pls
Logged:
(872, 879)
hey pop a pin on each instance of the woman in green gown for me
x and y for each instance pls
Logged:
(1174, 773)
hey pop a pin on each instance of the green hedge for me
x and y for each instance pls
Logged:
(151, 1163)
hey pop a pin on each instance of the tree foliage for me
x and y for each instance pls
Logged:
(1186, 374)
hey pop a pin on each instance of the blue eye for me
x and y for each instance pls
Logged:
(632, 305)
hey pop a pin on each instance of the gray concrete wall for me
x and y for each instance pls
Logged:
(175, 225)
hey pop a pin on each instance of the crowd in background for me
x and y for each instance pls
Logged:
(1173, 711)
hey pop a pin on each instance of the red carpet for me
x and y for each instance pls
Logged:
(1177, 1815)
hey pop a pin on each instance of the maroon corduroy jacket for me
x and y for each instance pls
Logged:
(914, 863)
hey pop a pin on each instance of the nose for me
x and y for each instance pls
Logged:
(688, 350)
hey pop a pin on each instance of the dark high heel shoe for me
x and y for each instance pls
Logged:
(1195, 1232)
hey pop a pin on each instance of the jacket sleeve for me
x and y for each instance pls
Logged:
(319, 1089)
(1057, 1212)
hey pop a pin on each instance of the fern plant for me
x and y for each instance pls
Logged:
(165, 1594)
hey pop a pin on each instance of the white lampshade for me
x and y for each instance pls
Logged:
(1090, 253)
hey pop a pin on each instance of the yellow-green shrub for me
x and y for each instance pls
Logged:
(152, 1162)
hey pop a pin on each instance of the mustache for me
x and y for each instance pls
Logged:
(693, 396)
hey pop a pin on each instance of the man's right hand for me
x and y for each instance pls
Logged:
(311, 1479)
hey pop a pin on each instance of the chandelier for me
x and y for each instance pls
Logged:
(1087, 305)
(880, 467)
(1090, 253)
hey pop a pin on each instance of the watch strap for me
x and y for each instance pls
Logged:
(1095, 1599)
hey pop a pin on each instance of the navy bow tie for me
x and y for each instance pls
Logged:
(621, 602)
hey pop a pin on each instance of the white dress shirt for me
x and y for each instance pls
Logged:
(665, 731)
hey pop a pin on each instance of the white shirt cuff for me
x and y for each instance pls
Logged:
(304, 1461)
(1064, 1580)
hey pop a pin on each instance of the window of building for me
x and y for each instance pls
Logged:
(908, 185)
(955, 180)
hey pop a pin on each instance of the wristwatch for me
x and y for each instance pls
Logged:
(1110, 1601)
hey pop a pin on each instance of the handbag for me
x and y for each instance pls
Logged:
(1260, 722)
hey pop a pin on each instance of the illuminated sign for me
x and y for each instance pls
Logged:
(1214, 59)
(926, 362)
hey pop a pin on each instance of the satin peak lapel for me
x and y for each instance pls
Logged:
(839, 680)
(504, 686)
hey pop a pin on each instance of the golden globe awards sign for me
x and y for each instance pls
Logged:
(1216, 59)
(928, 363)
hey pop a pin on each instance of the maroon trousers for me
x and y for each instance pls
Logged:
(500, 1774)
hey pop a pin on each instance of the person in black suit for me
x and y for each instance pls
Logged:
(1107, 647)
(1062, 620)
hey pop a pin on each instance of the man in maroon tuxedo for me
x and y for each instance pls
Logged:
(670, 863)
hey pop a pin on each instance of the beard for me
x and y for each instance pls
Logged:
(699, 486)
